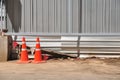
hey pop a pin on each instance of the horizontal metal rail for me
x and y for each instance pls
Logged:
(79, 47)
(66, 41)
(65, 34)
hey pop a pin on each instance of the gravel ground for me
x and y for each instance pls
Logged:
(83, 69)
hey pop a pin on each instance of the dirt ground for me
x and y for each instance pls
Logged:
(83, 69)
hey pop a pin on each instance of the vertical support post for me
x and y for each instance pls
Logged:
(4, 14)
(80, 27)
(78, 47)
(1, 3)
(70, 16)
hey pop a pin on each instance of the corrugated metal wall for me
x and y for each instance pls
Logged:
(67, 16)
(63, 16)
(101, 16)
(52, 16)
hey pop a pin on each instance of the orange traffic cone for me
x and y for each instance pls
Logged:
(24, 53)
(38, 53)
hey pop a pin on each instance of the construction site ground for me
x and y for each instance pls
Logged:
(68, 69)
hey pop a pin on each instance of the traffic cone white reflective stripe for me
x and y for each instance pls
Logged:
(37, 49)
(24, 49)
(23, 43)
(38, 53)
(24, 53)
(37, 42)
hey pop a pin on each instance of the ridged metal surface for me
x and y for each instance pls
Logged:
(88, 45)
(63, 16)
(100, 16)
(67, 16)
(48, 16)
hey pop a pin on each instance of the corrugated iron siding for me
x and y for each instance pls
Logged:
(49, 16)
(63, 16)
(101, 16)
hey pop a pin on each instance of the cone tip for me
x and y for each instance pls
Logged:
(37, 39)
(23, 39)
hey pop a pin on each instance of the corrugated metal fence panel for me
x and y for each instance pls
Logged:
(100, 16)
(48, 16)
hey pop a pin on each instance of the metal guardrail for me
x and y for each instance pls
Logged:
(65, 34)
(78, 41)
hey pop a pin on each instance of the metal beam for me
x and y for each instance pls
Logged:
(78, 45)
(1, 6)
(64, 41)
(70, 16)
(66, 34)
